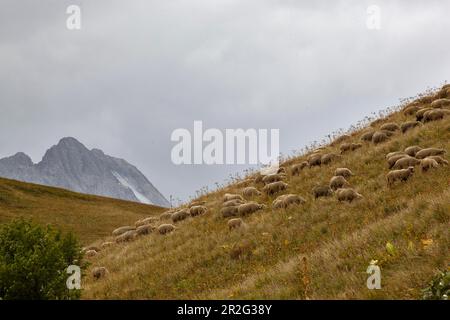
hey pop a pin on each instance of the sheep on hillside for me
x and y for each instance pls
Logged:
(328, 157)
(392, 160)
(346, 173)
(235, 223)
(284, 201)
(122, 230)
(347, 194)
(429, 152)
(406, 162)
(249, 208)
(232, 203)
(230, 196)
(337, 182)
(296, 168)
(273, 178)
(322, 191)
(427, 164)
(411, 151)
(402, 175)
(197, 210)
(405, 126)
(275, 187)
(250, 192)
(99, 272)
(127, 236)
(229, 211)
(379, 137)
(180, 215)
(367, 136)
(166, 228)
(390, 127)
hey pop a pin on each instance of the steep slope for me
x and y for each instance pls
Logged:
(89, 217)
(318, 250)
(70, 165)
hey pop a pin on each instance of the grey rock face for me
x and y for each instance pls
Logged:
(70, 165)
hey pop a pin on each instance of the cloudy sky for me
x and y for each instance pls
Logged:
(139, 69)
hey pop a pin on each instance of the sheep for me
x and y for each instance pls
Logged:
(273, 178)
(428, 163)
(122, 230)
(240, 184)
(379, 136)
(349, 147)
(127, 236)
(402, 175)
(392, 160)
(421, 112)
(340, 139)
(232, 203)
(405, 126)
(347, 194)
(395, 153)
(434, 115)
(344, 172)
(145, 221)
(106, 244)
(275, 187)
(166, 228)
(405, 162)
(328, 157)
(410, 110)
(322, 191)
(91, 253)
(250, 192)
(367, 136)
(166, 215)
(230, 196)
(287, 200)
(281, 170)
(249, 208)
(412, 150)
(258, 178)
(197, 203)
(337, 182)
(99, 272)
(315, 160)
(235, 223)
(180, 215)
(391, 126)
(429, 152)
(425, 99)
(198, 210)
(144, 230)
(229, 211)
(296, 168)
(438, 159)
(440, 103)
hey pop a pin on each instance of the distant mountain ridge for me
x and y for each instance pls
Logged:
(72, 166)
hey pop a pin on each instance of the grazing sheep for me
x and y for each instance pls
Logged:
(166, 228)
(235, 223)
(230, 196)
(249, 208)
(337, 182)
(409, 111)
(91, 253)
(425, 99)
(197, 210)
(251, 192)
(273, 178)
(395, 153)
(180, 215)
(347, 194)
(440, 103)
(328, 157)
(322, 191)
(379, 136)
(349, 147)
(99, 272)
(405, 126)
(127, 236)
(405, 162)
(106, 244)
(281, 170)
(145, 221)
(296, 168)
(229, 211)
(391, 126)
(367, 136)
(402, 175)
(421, 112)
(344, 172)
(144, 230)
(438, 159)
(429, 152)
(197, 203)
(392, 160)
(411, 151)
(240, 184)
(275, 187)
(315, 160)
(427, 164)
(258, 178)
(434, 115)
(166, 215)
(122, 230)
(232, 203)
(340, 139)
(284, 201)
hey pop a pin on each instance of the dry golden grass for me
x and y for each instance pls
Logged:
(88, 217)
(317, 250)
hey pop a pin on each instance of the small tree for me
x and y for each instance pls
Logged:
(33, 262)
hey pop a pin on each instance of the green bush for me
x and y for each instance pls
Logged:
(439, 287)
(33, 262)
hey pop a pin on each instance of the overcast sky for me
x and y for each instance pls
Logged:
(137, 70)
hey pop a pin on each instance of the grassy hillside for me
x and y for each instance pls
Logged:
(318, 250)
(89, 217)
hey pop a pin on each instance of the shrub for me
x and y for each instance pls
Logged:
(439, 287)
(33, 262)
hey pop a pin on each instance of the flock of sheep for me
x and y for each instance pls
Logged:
(237, 206)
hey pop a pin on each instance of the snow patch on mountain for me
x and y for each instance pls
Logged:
(126, 184)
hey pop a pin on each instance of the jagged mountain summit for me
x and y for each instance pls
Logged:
(71, 165)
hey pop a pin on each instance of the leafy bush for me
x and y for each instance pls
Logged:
(33, 262)
(439, 288)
